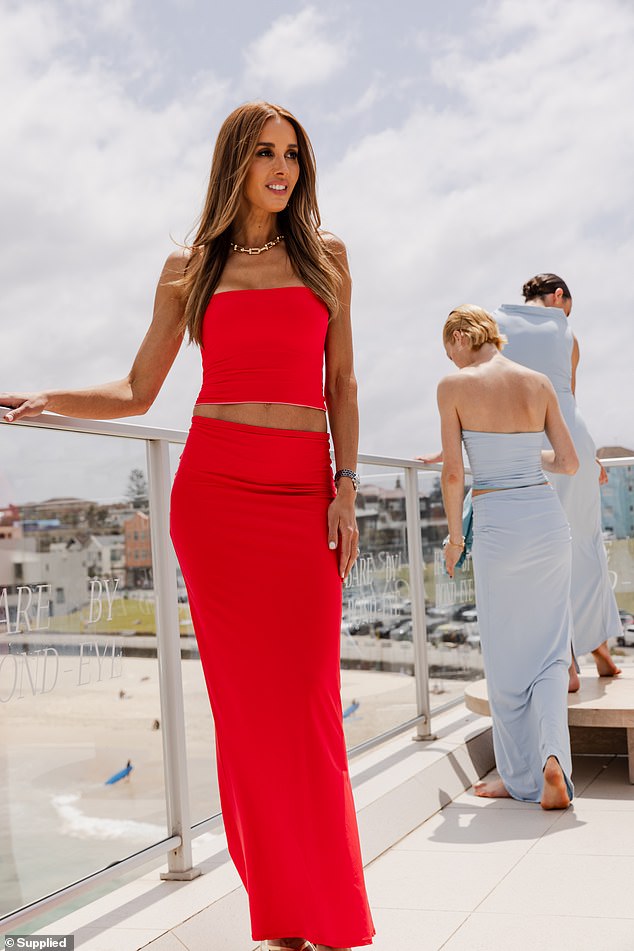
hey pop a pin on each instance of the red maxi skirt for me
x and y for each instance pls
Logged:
(249, 524)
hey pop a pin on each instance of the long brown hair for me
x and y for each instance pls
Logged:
(300, 221)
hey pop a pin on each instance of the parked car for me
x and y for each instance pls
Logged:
(449, 633)
(627, 637)
(460, 612)
(402, 632)
(470, 616)
(626, 619)
(442, 613)
(433, 621)
(473, 639)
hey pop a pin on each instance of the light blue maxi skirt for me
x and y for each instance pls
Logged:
(595, 613)
(522, 565)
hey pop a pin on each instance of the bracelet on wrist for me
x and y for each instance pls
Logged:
(448, 543)
(348, 474)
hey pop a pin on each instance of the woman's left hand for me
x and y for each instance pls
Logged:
(603, 476)
(452, 555)
(343, 532)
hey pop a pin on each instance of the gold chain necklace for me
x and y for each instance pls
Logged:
(265, 247)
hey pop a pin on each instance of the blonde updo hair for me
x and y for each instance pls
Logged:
(476, 324)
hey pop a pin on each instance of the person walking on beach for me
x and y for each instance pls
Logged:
(265, 293)
(521, 550)
(539, 337)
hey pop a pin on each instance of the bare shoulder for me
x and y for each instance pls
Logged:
(171, 282)
(536, 379)
(332, 243)
(543, 381)
(175, 264)
(337, 250)
(519, 373)
(450, 384)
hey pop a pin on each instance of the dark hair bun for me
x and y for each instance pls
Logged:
(543, 284)
(531, 289)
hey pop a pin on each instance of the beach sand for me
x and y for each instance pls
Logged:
(58, 819)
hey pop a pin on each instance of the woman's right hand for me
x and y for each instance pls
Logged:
(23, 404)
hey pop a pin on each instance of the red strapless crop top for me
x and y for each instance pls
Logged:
(264, 346)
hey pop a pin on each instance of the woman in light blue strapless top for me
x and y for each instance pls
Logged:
(521, 551)
(539, 337)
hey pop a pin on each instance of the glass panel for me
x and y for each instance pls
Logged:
(453, 641)
(81, 759)
(204, 799)
(378, 689)
(617, 515)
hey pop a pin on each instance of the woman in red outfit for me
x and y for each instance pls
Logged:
(255, 511)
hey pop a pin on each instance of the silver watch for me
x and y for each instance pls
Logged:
(348, 474)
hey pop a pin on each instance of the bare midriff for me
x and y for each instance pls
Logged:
(507, 488)
(475, 492)
(271, 415)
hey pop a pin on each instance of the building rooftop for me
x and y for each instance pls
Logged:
(614, 452)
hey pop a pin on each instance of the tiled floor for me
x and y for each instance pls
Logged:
(480, 875)
(492, 875)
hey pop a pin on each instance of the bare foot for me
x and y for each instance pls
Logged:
(603, 659)
(555, 792)
(495, 789)
(573, 679)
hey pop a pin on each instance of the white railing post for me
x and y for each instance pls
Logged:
(180, 865)
(417, 595)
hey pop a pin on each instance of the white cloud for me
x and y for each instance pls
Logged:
(295, 52)
(527, 168)
(29, 35)
(521, 163)
(377, 90)
(114, 15)
(93, 185)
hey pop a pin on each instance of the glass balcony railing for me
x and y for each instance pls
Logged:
(107, 753)
(377, 651)
(79, 681)
(378, 628)
(617, 498)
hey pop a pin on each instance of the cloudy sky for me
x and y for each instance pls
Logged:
(462, 147)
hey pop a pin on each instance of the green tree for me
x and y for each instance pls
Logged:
(137, 490)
